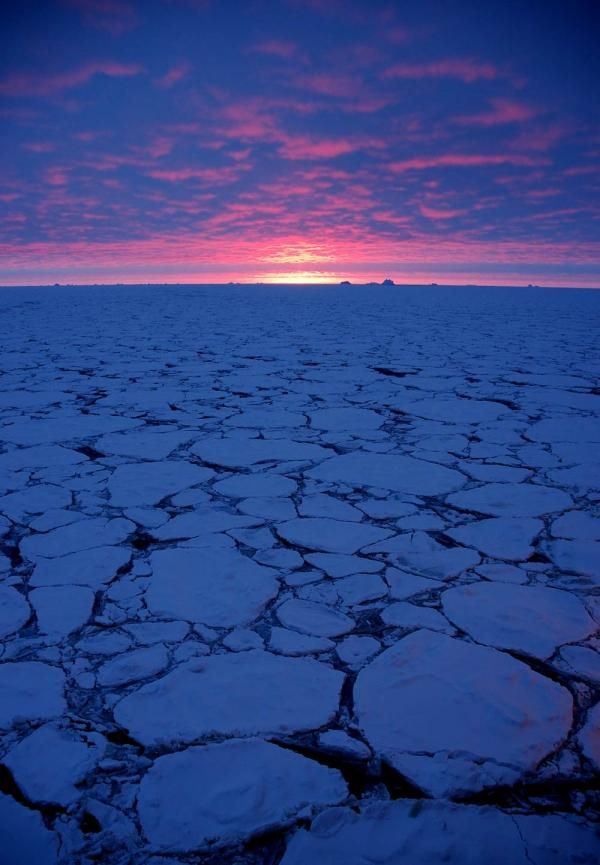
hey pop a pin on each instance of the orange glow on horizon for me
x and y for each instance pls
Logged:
(300, 277)
(296, 260)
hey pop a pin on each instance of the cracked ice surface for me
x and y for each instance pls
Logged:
(266, 566)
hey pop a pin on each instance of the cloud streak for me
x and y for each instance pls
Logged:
(173, 76)
(464, 160)
(461, 69)
(30, 84)
(503, 111)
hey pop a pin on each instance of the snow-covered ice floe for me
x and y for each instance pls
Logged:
(300, 583)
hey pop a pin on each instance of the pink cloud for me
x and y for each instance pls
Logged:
(39, 146)
(22, 84)
(581, 170)
(240, 155)
(173, 75)
(277, 48)
(330, 84)
(439, 212)
(88, 136)
(13, 219)
(462, 160)
(114, 16)
(323, 175)
(113, 161)
(247, 121)
(223, 174)
(540, 137)
(540, 194)
(56, 176)
(349, 90)
(283, 189)
(366, 104)
(390, 218)
(463, 69)
(304, 147)
(503, 111)
(159, 146)
(254, 121)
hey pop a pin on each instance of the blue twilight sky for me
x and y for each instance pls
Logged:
(300, 140)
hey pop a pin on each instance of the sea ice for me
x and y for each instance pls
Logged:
(330, 535)
(14, 611)
(404, 585)
(580, 661)
(273, 695)
(219, 794)
(341, 565)
(90, 568)
(315, 619)
(288, 642)
(344, 520)
(512, 500)
(78, 536)
(420, 552)
(355, 649)
(411, 616)
(328, 507)
(234, 453)
(133, 666)
(146, 484)
(255, 485)
(502, 537)
(360, 588)
(465, 701)
(355, 420)
(390, 472)
(529, 619)
(589, 736)
(579, 557)
(147, 633)
(31, 691)
(421, 832)
(217, 587)
(576, 525)
(49, 763)
(61, 610)
(34, 499)
(338, 742)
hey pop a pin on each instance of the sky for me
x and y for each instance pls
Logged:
(300, 141)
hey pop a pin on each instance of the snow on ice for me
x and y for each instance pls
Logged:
(309, 589)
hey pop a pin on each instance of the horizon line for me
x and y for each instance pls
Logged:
(335, 283)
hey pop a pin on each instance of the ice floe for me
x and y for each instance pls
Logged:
(205, 797)
(219, 588)
(484, 714)
(534, 620)
(423, 832)
(31, 691)
(273, 694)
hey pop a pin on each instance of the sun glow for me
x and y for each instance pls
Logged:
(300, 253)
(298, 277)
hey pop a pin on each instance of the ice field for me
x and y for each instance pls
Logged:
(299, 575)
